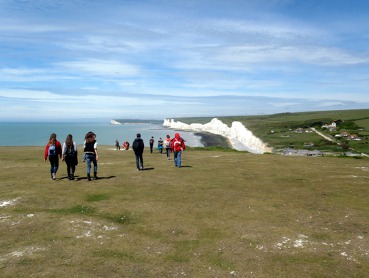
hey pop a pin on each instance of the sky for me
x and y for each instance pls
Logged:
(156, 59)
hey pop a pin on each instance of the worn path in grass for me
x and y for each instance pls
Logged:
(222, 214)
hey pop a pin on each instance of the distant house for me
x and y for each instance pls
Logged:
(300, 130)
(353, 137)
(342, 134)
(331, 127)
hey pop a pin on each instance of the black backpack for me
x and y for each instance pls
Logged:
(138, 145)
(70, 151)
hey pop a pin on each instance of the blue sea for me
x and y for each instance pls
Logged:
(37, 134)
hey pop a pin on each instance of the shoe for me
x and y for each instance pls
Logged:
(88, 177)
(53, 176)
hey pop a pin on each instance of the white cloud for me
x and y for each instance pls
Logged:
(100, 67)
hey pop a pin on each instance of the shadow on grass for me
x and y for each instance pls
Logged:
(99, 178)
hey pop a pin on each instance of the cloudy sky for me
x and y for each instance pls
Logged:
(75, 59)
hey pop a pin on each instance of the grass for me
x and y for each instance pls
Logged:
(225, 213)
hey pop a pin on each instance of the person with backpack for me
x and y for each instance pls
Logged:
(167, 146)
(70, 156)
(160, 145)
(53, 151)
(138, 148)
(177, 145)
(90, 154)
(151, 143)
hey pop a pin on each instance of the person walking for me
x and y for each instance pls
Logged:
(151, 143)
(117, 146)
(53, 151)
(160, 145)
(167, 146)
(90, 154)
(177, 146)
(138, 148)
(70, 156)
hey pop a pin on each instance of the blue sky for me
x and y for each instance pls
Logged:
(77, 59)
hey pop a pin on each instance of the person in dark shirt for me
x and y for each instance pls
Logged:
(138, 148)
(90, 152)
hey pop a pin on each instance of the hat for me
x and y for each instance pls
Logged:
(138, 135)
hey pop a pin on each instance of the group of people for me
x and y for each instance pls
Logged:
(175, 145)
(68, 153)
(54, 151)
(162, 144)
(125, 145)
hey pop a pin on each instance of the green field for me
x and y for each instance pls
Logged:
(224, 214)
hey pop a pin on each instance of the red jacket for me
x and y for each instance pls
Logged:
(58, 149)
(177, 144)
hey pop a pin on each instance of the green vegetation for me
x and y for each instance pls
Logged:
(223, 214)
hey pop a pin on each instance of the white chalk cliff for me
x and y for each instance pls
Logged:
(240, 137)
(114, 122)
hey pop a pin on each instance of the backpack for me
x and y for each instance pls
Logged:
(138, 145)
(70, 151)
(52, 150)
(177, 144)
(167, 144)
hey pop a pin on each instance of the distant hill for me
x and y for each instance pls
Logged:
(139, 121)
(293, 130)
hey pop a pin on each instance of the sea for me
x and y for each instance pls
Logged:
(38, 133)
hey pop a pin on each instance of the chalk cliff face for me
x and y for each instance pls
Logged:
(240, 137)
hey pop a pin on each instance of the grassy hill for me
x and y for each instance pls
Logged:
(279, 130)
(224, 214)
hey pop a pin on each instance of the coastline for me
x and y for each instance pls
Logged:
(237, 135)
(213, 140)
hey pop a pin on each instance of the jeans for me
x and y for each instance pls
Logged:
(177, 158)
(54, 163)
(139, 161)
(91, 158)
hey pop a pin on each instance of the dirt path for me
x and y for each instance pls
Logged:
(323, 135)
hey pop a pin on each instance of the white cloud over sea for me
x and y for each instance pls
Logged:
(77, 59)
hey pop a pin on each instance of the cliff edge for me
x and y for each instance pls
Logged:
(240, 137)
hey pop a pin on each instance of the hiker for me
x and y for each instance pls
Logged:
(126, 145)
(160, 145)
(117, 146)
(167, 146)
(70, 156)
(138, 148)
(53, 151)
(151, 142)
(177, 145)
(90, 154)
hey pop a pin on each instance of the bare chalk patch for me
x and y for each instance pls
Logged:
(89, 229)
(6, 203)
(24, 252)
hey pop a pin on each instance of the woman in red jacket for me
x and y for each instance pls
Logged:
(177, 145)
(53, 151)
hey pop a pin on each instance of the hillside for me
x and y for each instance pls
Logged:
(292, 130)
(223, 214)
